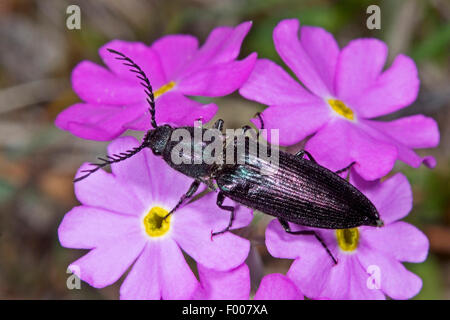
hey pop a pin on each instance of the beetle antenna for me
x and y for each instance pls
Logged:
(145, 82)
(110, 160)
(114, 158)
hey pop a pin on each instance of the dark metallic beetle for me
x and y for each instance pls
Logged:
(300, 191)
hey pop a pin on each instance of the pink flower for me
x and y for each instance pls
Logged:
(277, 286)
(120, 222)
(115, 101)
(345, 89)
(223, 285)
(369, 259)
(235, 285)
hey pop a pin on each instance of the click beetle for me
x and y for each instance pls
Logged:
(299, 191)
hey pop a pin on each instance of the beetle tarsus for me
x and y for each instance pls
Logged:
(346, 168)
(286, 228)
(301, 153)
(258, 115)
(192, 190)
(219, 125)
(220, 200)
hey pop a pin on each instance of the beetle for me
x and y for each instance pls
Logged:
(299, 191)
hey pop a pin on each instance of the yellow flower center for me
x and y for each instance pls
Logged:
(341, 109)
(163, 89)
(347, 238)
(154, 222)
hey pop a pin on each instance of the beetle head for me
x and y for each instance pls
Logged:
(156, 139)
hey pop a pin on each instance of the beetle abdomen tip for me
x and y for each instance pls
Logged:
(380, 223)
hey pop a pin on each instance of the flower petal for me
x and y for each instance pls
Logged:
(134, 172)
(415, 131)
(392, 197)
(276, 286)
(358, 67)
(222, 45)
(95, 84)
(269, 84)
(176, 278)
(219, 79)
(359, 288)
(193, 225)
(310, 274)
(338, 280)
(401, 240)
(406, 133)
(98, 122)
(323, 51)
(142, 282)
(86, 228)
(293, 53)
(395, 280)
(104, 265)
(166, 184)
(96, 191)
(174, 52)
(175, 109)
(219, 285)
(294, 122)
(394, 89)
(339, 143)
(145, 57)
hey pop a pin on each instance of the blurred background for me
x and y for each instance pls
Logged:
(38, 161)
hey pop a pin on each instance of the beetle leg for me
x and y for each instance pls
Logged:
(286, 227)
(218, 125)
(258, 114)
(192, 189)
(247, 128)
(244, 131)
(346, 168)
(209, 183)
(220, 199)
(301, 153)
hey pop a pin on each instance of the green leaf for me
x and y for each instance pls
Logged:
(6, 191)
(435, 44)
